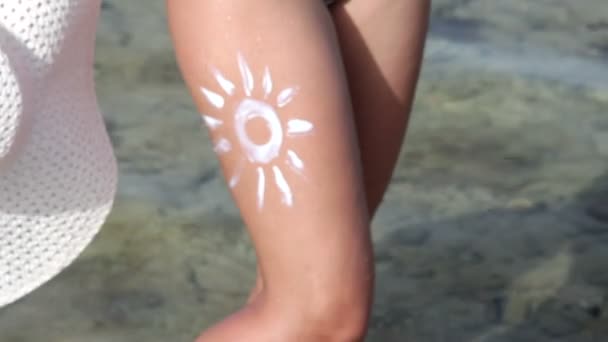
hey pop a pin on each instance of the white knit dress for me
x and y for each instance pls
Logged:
(57, 169)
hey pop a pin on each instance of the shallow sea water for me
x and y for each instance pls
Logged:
(495, 227)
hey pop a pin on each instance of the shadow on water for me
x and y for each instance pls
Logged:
(530, 274)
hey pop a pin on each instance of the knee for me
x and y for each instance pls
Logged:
(323, 318)
(340, 322)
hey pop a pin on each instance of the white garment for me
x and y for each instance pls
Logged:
(57, 169)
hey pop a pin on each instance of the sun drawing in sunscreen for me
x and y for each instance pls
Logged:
(263, 156)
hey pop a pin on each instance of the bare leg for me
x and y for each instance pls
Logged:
(291, 159)
(382, 43)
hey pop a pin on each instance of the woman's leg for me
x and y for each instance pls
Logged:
(382, 43)
(269, 78)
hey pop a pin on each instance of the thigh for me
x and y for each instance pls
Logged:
(268, 78)
(382, 43)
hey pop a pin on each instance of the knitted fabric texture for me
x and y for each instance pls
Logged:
(57, 169)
